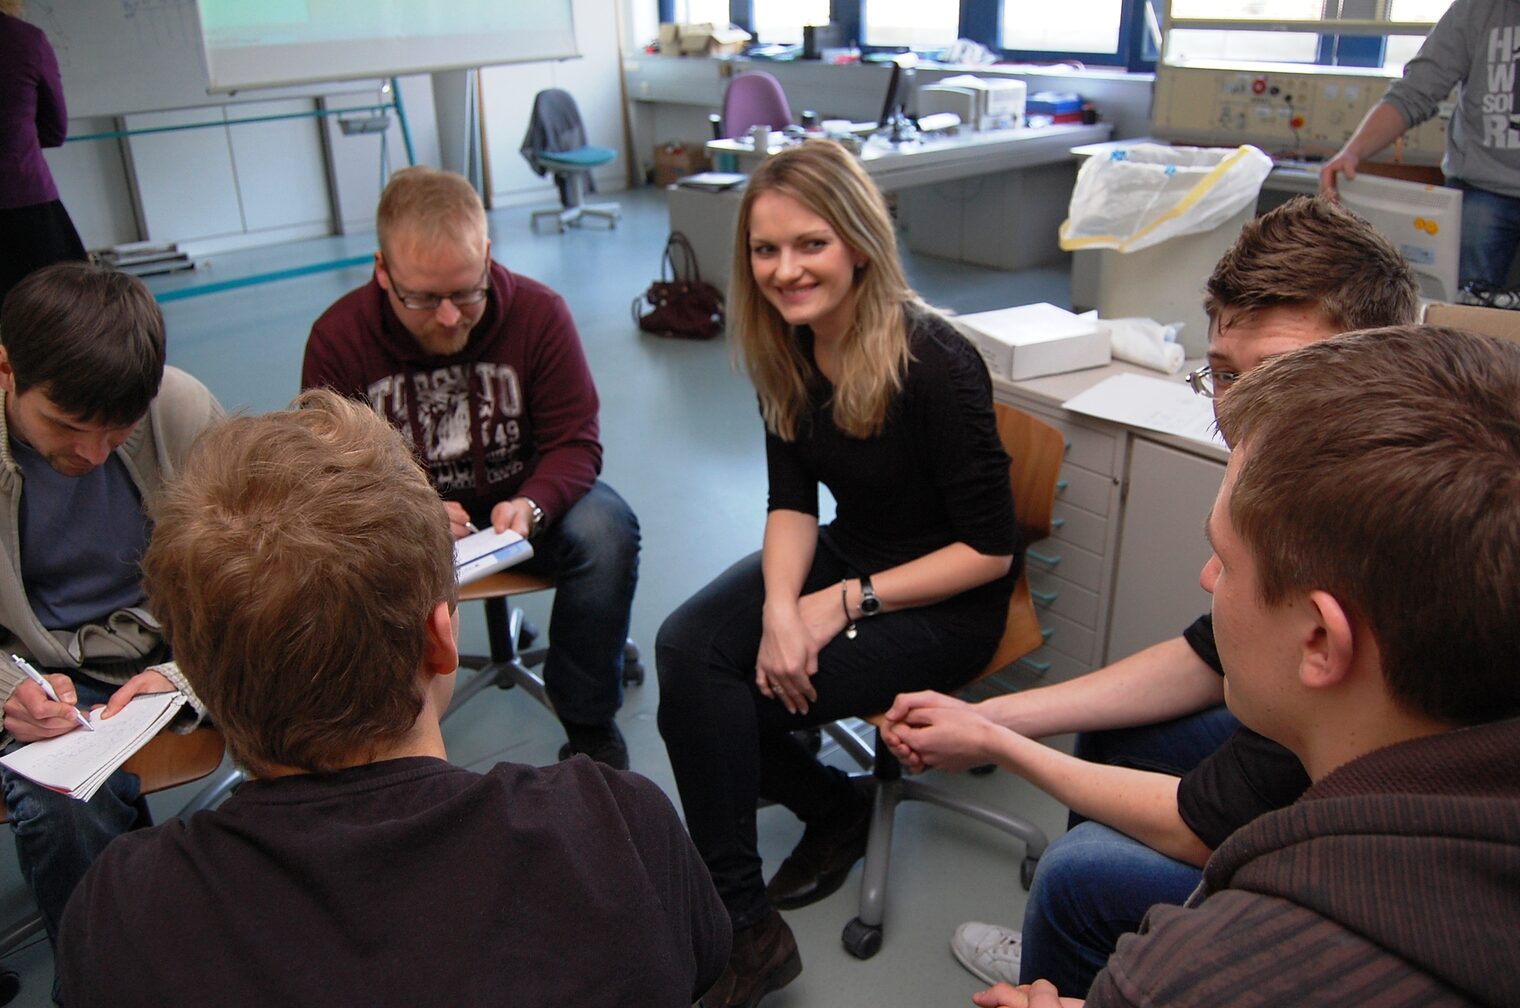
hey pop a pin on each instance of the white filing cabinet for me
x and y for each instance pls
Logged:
(1120, 570)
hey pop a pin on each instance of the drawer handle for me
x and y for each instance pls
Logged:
(1045, 597)
(1047, 560)
(1039, 666)
(1056, 523)
(1047, 632)
(1061, 485)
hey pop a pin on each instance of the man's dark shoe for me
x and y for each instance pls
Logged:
(764, 959)
(822, 859)
(603, 743)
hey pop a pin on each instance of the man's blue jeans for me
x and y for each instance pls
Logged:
(58, 837)
(1490, 236)
(1095, 884)
(592, 552)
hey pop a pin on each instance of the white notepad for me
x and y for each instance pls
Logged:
(79, 762)
(487, 552)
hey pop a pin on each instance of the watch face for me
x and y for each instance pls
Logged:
(870, 606)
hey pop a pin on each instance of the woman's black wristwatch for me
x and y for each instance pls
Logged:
(870, 605)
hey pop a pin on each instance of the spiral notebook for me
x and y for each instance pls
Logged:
(78, 763)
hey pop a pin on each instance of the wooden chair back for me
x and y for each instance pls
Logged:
(1036, 450)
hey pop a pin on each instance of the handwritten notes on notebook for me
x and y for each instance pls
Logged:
(78, 763)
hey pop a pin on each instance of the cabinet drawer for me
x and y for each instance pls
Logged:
(1072, 562)
(1090, 448)
(1055, 594)
(1068, 637)
(1079, 527)
(1085, 489)
(1047, 665)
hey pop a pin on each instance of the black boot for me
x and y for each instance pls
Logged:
(822, 859)
(764, 959)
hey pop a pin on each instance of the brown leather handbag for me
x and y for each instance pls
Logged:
(680, 304)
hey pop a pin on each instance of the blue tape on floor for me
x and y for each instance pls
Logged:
(258, 278)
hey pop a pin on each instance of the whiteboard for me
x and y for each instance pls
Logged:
(121, 56)
(273, 42)
(124, 56)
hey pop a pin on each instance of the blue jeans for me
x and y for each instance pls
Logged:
(58, 837)
(1490, 235)
(592, 552)
(1093, 885)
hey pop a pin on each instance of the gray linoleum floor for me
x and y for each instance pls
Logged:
(683, 445)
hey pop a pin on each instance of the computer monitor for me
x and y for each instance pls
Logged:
(899, 94)
(1424, 222)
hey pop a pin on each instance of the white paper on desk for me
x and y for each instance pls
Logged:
(79, 762)
(1152, 403)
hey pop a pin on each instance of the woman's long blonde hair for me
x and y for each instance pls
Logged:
(873, 356)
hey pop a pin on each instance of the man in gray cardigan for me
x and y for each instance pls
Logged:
(91, 424)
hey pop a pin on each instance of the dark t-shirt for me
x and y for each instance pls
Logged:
(406, 882)
(1247, 776)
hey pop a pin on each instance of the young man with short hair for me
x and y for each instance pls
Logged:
(91, 425)
(303, 567)
(1366, 550)
(1160, 767)
(483, 372)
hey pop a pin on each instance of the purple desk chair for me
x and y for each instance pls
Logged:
(753, 98)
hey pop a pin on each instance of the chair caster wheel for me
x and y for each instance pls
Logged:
(1026, 872)
(633, 673)
(526, 636)
(861, 940)
(983, 770)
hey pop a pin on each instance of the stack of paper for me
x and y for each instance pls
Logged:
(79, 762)
(1153, 403)
(487, 552)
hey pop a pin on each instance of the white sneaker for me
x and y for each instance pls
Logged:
(990, 952)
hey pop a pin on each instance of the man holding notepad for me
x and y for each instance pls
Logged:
(91, 424)
(482, 371)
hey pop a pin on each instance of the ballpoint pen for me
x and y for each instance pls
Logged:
(47, 688)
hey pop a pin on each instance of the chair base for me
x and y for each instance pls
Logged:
(507, 667)
(574, 216)
(862, 936)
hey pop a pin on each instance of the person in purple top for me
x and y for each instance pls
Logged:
(35, 229)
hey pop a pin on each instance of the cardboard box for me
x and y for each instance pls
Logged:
(1489, 321)
(708, 39)
(1036, 339)
(670, 39)
(677, 159)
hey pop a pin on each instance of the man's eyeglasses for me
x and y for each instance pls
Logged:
(1212, 384)
(420, 301)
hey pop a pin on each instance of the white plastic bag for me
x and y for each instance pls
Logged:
(1142, 195)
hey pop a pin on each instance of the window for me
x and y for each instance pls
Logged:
(909, 23)
(1336, 32)
(1073, 26)
(700, 11)
(782, 20)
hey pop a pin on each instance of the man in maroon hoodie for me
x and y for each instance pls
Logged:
(483, 371)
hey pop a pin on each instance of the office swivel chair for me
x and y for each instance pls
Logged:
(169, 760)
(556, 143)
(754, 98)
(1036, 450)
(508, 666)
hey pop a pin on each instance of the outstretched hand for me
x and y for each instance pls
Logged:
(1040, 994)
(933, 730)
